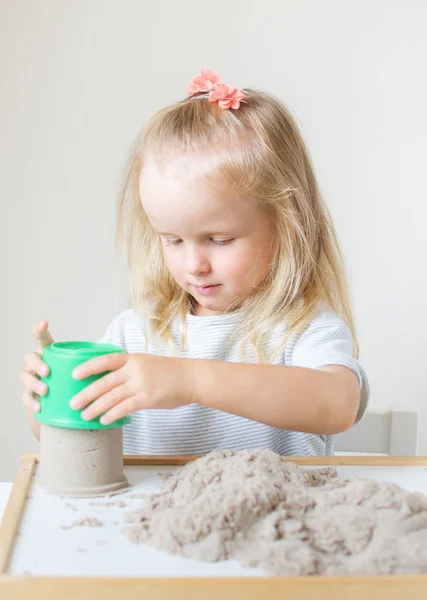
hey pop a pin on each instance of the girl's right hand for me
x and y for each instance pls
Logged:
(36, 368)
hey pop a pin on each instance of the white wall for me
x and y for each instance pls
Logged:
(78, 78)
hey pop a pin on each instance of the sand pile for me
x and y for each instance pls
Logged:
(252, 507)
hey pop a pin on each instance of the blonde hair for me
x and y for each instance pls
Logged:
(259, 150)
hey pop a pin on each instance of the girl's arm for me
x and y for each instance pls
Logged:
(324, 400)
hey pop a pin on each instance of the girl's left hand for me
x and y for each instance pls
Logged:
(136, 381)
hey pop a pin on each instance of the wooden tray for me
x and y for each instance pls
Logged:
(190, 580)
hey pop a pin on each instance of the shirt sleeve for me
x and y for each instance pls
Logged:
(328, 341)
(125, 330)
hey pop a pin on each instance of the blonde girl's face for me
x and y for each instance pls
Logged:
(217, 246)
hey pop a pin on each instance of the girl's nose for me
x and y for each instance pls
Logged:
(197, 262)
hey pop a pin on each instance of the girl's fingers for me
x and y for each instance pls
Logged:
(98, 388)
(30, 401)
(119, 411)
(35, 364)
(104, 403)
(32, 383)
(36, 368)
(42, 335)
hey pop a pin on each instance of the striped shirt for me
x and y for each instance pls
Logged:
(196, 429)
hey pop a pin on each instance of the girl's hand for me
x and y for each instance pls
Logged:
(136, 381)
(36, 368)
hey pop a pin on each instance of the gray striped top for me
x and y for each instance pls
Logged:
(196, 429)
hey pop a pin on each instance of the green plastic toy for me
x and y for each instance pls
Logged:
(62, 358)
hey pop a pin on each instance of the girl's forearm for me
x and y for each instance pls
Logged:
(294, 398)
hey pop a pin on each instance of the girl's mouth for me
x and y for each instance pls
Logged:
(207, 289)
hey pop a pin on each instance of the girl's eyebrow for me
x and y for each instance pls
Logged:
(203, 233)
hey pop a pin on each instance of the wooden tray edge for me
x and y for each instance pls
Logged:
(381, 587)
(362, 460)
(15, 508)
(353, 460)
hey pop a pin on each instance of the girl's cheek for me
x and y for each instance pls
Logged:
(236, 264)
(170, 258)
(172, 265)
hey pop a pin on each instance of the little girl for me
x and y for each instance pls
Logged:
(240, 333)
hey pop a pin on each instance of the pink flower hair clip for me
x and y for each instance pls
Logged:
(209, 85)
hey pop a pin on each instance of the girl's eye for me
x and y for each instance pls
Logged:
(223, 242)
(218, 242)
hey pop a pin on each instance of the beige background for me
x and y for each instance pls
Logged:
(79, 77)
